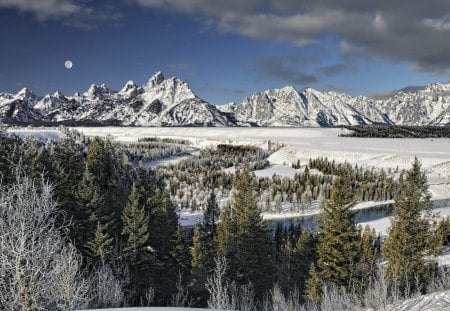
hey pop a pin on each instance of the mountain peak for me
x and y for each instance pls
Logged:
(437, 87)
(156, 79)
(58, 94)
(130, 85)
(288, 89)
(95, 90)
(25, 93)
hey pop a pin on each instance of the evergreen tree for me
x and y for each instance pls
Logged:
(226, 233)
(338, 247)
(37, 160)
(304, 254)
(100, 247)
(108, 174)
(209, 232)
(68, 164)
(10, 154)
(314, 285)
(198, 251)
(211, 215)
(136, 250)
(181, 253)
(247, 244)
(146, 183)
(91, 199)
(162, 237)
(409, 235)
(369, 254)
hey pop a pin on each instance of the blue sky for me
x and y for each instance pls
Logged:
(225, 50)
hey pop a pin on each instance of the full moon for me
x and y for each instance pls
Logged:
(68, 64)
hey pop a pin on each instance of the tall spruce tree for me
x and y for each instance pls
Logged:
(37, 159)
(247, 244)
(108, 174)
(181, 253)
(314, 285)
(10, 152)
(100, 246)
(162, 237)
(338, 247)
(90, 199)
(198, 250)
(367, 267)
(203, 250)
(136, 248)
(303, 255)
(68, 165)
(409, 235)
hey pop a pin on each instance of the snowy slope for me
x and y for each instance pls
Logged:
(288, 107)
(160, 101)
(439, 301)
(170, 102)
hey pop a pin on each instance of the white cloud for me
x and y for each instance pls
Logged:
(441, 24)
(43, 9)
(413, 32)
(68, 12)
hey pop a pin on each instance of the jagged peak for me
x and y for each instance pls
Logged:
(437, 87)
(310, 90)
(156, 79)
(58, 94)
(128, 86)
(25, 92)
(95, 89)
(288, 88)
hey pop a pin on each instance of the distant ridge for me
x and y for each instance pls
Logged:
(170, 102)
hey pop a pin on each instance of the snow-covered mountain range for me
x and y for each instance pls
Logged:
(288, 107)
(159, 102)
(170, 102)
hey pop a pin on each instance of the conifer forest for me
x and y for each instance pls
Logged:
(88, 223)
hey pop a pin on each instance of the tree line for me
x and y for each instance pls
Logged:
(396, 131)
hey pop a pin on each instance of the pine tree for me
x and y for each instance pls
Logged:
(146, 183)
(314, 285)
(68, 167)
(37, 160)
(108, 174)
(304, 254)
(198, 253)
(11, 151)
(100, 246)
(369, 254)
(339, 238)
(247, 244)
(209, 232)
(136, 250)
(211, 215)
(226, 233)
(409, 235)
(181, 253)
(162, 236)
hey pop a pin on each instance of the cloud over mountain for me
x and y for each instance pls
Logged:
(413, 31)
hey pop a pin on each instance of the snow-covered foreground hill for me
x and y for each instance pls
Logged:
(439, 301)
